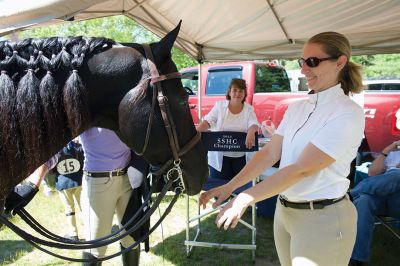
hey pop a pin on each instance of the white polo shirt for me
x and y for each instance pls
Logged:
(332, 122)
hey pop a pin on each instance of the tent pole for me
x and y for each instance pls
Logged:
(200, 60)
(199, 92)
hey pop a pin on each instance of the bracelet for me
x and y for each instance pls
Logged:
(384, 154)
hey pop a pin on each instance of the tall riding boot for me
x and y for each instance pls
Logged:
(89, 256)
(131, 258)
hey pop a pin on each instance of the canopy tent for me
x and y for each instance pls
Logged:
(230, 29)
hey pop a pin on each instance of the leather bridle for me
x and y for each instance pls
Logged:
(170, 180)
(155, 80)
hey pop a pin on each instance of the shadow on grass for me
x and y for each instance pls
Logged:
(385, 247)
(11, 250)
(174, 250)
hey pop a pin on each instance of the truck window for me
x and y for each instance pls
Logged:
(219, 78)
(374, 87)
(190, 82)
(392, 87)
(383, 87)
(271, 79)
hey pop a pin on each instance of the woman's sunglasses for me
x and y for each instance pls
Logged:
(314, 61)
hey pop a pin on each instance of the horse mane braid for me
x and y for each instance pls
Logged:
(42, 97)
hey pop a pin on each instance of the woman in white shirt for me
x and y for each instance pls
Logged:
(233, 114)
(315, 222)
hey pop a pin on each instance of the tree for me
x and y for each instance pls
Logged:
(119, 28)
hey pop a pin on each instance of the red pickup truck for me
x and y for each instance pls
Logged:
(270, 93)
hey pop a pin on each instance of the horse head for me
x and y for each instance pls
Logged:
(149, 134)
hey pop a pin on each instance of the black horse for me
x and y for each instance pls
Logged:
(53, 89)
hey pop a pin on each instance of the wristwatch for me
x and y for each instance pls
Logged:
(384, 154)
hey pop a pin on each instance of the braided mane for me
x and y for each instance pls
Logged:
(42, 97)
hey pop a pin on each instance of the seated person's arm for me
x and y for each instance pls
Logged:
(378, 165)
(203, 126)
(250, 137)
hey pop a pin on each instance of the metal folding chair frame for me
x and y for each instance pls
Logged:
(388, 222)
(195, 243)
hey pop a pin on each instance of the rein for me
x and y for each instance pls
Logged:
(86, 244)
(173, 175)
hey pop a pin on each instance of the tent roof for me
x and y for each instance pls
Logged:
(231, 29)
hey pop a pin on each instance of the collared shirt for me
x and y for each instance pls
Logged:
(332, 122)
(103, 150)
(220, 119)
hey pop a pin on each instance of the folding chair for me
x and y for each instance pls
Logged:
(389, 223)
(200, 214)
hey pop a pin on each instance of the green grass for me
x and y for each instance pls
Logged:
(167, 243)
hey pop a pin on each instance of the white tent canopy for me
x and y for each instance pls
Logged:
(231, 29)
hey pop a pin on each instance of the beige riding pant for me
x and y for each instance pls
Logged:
(101, 198)
(71, 198)
(323, 237)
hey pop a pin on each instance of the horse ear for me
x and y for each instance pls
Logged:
(162, 49)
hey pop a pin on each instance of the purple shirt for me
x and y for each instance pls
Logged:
(104, 151)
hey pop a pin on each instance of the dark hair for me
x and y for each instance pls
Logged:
(335, 45)
(238, 83)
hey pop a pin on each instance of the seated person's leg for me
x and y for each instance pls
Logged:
(367, 207)
(238, 164)
(393, 205)
(218, 178)
(380, 185)
(359, 176)
(226, 171)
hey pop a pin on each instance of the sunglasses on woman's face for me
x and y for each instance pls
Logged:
(314, 61)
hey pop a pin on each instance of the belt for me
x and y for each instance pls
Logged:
(309, 205)
(106, 174)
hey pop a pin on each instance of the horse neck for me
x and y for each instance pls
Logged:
(109, 77)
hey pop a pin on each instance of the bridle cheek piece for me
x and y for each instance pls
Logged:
(177, 152)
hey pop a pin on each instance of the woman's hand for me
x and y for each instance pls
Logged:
(250, 139)
(231, 213)
(221, 193)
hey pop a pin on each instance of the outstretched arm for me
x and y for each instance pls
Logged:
(261, 160)
(311, 161)
(23, 193)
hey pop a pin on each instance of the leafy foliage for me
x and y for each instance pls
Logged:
(119, 28)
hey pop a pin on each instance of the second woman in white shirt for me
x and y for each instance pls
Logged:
(233, 114)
